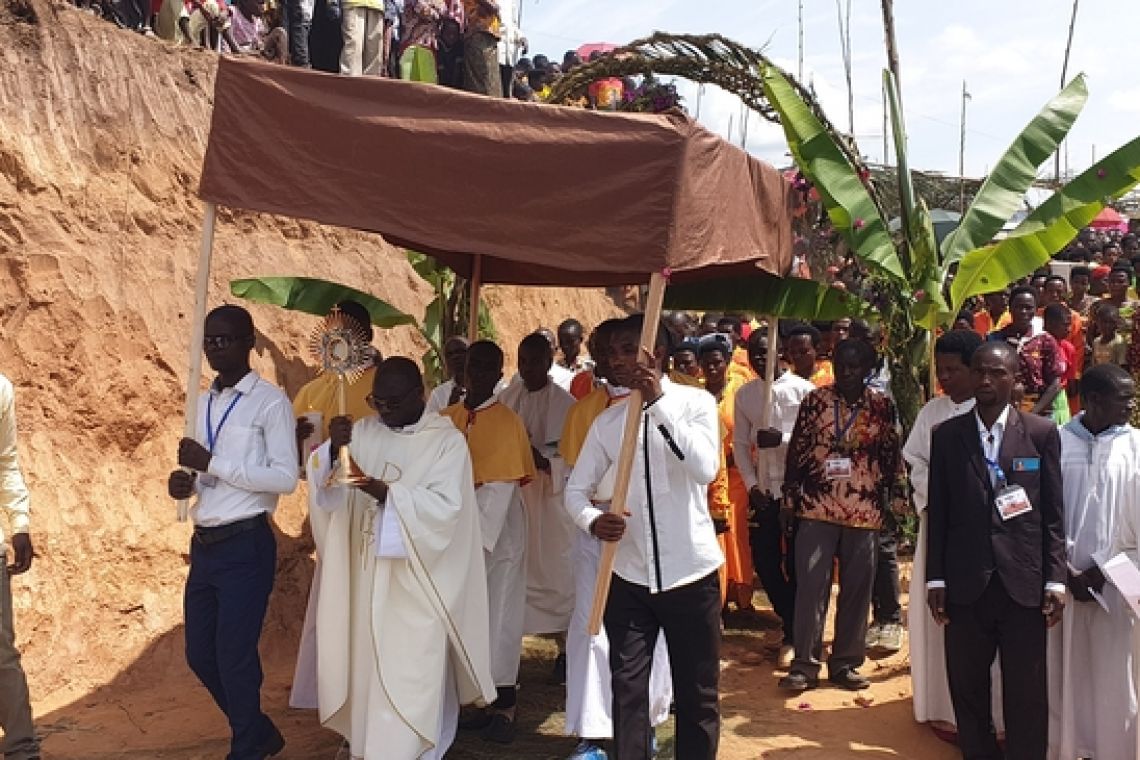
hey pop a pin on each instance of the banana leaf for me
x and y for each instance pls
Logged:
(1002, 193)
(850, 207)
(898, 130)
(783, 297)
(314, 296)
(1049, 228)
(927, 281)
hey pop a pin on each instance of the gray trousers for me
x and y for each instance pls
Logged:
(20, 741)
(816, 544)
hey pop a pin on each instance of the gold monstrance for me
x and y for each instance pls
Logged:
(340, 346)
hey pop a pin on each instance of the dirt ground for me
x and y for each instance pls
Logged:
(175, 719)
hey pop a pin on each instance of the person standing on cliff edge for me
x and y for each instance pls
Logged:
(248, 460)
(20, 742)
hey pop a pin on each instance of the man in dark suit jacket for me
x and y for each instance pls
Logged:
(996, 558)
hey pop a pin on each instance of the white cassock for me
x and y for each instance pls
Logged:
(589, 682)
(503, 519)
(562, 376)
(1096, 690)
(550, 531)
(402, 620)
(927, 643)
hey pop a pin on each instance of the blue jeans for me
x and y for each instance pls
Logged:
(227, 594)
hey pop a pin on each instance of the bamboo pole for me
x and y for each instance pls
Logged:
(197, 334)
(625, 457)
(1064, 75)
(476, 287)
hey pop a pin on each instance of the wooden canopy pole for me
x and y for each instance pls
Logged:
(766, 410)
(197, 334)
(625, 457)
(476, 286)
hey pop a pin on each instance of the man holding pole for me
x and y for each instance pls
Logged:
(243, 456)
(665, 573)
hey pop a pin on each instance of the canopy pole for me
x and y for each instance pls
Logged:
(625, 457)
(197, 334)
(476, 287)
(772, 358)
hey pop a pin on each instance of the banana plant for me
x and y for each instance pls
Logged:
(313, 296)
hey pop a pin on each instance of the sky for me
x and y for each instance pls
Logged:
(1009, 53)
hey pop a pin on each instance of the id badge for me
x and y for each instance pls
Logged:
(206, 480)
(837, 468)
(1012, 501)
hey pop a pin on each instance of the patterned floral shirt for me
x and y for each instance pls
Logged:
(1040, 360)
(870, 443)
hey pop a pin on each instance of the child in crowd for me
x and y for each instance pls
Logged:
(1109, 346)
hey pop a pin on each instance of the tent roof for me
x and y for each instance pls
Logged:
(548, 195)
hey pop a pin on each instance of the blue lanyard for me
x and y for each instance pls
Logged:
(995, 468)
(841, 433)
(212, 433)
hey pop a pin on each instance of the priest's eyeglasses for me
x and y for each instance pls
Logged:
(391, 402)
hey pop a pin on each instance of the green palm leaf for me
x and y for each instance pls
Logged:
(849, 205)
(1049, 228)
(784, 297)
(927, 282)
(313, 296)
(1002, 193)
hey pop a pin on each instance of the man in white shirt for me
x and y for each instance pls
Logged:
(665, 573)
(1095, 693)
(20, 741)
(450, 391)
(242, 458)
(762, 470)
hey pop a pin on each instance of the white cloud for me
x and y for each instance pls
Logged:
(1125, 101)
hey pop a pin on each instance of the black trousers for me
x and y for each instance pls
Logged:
(885, 593)
(689, 616)
(766, 540)
(227, 594)
(976, 632)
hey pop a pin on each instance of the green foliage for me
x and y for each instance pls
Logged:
(852, 210)
(313, 296)
(785, 297)
(1050, 227)
(1004, 190)
(446, 314)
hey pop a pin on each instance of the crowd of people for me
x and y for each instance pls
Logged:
(473, 45)
(451, 522)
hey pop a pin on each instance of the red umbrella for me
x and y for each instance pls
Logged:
(595, 47)
(1110, 219)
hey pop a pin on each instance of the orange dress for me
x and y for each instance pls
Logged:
(728, 499)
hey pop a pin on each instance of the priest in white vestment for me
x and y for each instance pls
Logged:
(930, 686)
(1100, 465)
(402, 619)
(542, 405)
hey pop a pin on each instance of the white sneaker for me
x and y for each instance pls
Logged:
(874, 633)
(890, 637)
(344, 753)
(786, 655)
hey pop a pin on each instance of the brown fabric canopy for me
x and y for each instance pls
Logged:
(548, 195)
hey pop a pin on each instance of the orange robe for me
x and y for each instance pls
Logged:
(728, 500)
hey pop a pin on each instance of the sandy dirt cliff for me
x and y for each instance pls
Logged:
(101, 139)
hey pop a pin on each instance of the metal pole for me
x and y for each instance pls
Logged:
(962, 154)
(800, 75)
(1064, 76)
(197, 334)
(625, 456)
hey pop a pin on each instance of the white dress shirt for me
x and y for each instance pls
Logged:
(255, 451)
(788, 391)
(670, 540)
(13, 491)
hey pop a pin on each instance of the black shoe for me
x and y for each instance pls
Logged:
(501, 729)
(558, 675)
(850, 680)
(272, 744)
(796, 681)
(475, 719)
